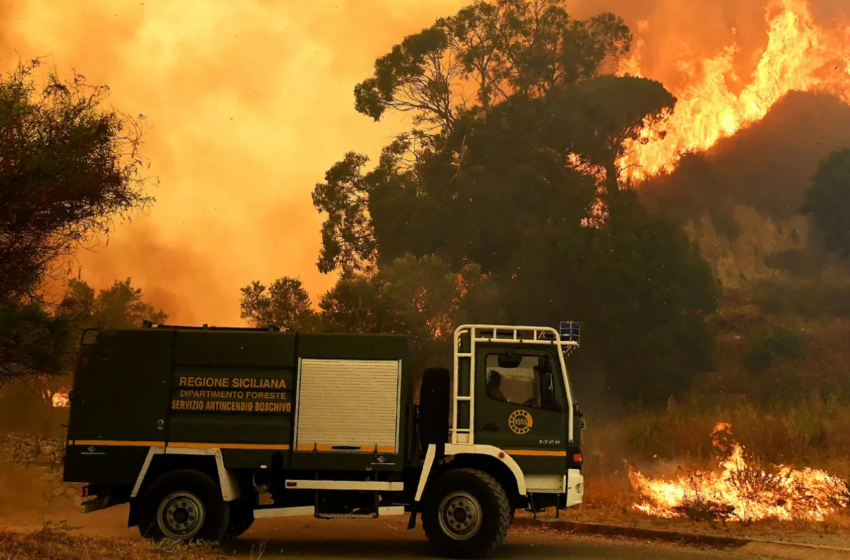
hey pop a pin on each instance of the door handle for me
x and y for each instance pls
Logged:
(489, 427)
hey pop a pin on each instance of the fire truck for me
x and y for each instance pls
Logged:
(203, 430)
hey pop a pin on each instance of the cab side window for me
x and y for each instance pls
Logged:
(523, 380)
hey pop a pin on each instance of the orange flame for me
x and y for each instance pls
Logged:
(60, 399)
(742, 491)
(799, 56)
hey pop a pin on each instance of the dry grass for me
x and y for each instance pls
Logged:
(55, 542)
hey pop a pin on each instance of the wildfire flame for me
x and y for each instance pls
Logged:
(60, 398)
(799, 56)
(742, 491)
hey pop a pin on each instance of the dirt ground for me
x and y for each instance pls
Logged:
(834, 531)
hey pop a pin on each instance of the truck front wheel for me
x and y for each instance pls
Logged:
(466, 514)
(184, 505)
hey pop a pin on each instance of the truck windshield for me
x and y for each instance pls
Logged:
(528, 384)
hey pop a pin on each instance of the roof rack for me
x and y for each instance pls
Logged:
(205, 327)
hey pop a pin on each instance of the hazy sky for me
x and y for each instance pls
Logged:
(247, 103)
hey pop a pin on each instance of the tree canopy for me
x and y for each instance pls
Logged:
(419, 296)
(828, 201)
(522, 178)
(69, 166)
(484, 54)
(36, 340)
(284, 304)
(120, 306)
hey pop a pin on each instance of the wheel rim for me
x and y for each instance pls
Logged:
(460, 515)
(181, 515)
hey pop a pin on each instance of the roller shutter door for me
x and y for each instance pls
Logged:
(348, 404)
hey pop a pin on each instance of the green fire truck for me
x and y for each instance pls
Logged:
(203, 430)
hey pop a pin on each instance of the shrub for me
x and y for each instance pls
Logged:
(778, 342)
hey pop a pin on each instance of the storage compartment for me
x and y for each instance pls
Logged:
(348, 405)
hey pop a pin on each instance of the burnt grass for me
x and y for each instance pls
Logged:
(56, 542)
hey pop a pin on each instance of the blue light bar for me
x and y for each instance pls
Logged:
(571, 331)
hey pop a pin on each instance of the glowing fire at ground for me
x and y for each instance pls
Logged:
(799, 56)
(60, 398)
(742, 491)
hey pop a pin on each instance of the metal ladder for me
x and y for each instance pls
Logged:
(461, 434)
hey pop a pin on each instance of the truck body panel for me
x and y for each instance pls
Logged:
(321, 422)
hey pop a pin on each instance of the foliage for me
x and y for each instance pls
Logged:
(285, 304)
(515, 189)
(119, 306)
(36, 340)
(828, 201)
(470, 193)
(775, 343)
(418, 296)
(608, 115)
(642, 291)
(525, 184)
(32, 341)
(347, 238)
(69, 165)
(501, 48)
(811, 299)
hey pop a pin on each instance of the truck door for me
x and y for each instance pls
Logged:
(520, 407)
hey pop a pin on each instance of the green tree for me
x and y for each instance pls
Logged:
(33, 341)
(472, 192)
(526, 185)
(419, 296)
(284, 304)
(828, 201)
(120, 306)
(39, 340)
(504, 47)
(70, 165)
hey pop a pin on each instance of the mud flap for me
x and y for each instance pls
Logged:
(414, 510)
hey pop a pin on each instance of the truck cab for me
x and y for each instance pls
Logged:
(204, 430)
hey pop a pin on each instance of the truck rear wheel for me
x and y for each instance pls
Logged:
(466, 514)
(184, 505)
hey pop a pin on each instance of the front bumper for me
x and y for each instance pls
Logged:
(575, 487)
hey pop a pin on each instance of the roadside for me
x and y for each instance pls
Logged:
(312, 538)
(834, 531)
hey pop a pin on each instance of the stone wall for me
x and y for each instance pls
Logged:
(39, 460)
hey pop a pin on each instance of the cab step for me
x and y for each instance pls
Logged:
(382, 511)
(346, 515)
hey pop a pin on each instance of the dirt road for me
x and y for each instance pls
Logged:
(306, 537)
(312, 538)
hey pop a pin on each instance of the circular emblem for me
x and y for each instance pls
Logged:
(520, 422)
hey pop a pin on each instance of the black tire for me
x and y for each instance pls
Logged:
(168, 506)
(466, 514)
(434, 405)
(241, 517)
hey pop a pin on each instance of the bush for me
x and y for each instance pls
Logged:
(778, 342)
(815, 300)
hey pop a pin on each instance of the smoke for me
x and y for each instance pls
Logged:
(247, 103)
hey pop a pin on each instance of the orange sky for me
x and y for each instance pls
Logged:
(248, 102)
